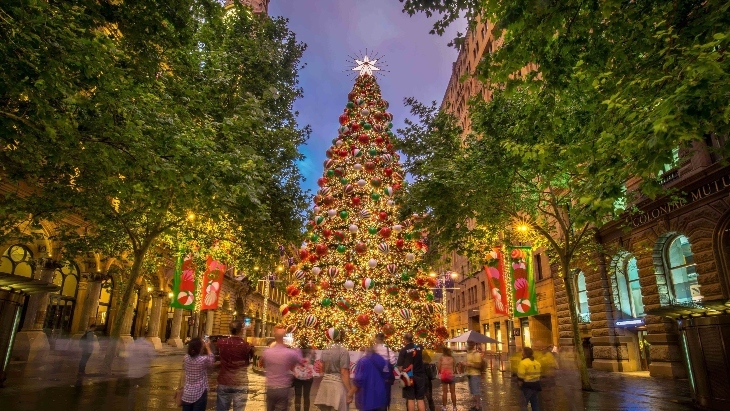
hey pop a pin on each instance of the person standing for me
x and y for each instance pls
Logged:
(196, 364)
(369, 382)
(431, 374)
(446, 373)
(410, 361)
(86, 343)
(235, 357)
(335, 391)
(303, 378)
(474, 368)
(528, 378)
(279, 361)
(391, 359)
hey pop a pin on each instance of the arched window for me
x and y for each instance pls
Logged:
(681, 267)
(582, 298)
(105, 303)
(17, 260)
(61, 304)
(630, 299)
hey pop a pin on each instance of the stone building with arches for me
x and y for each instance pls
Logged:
(658, 296)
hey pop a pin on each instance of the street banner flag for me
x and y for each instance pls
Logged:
(497, 283)
(184, 284)
(523, 281)
(212, 281)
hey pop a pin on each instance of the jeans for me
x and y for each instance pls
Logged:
(198, 405)
(226, 394)
(302, 387)
(277, 399)
(82, 364)
(531, 397)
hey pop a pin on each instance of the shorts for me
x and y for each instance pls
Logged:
(475, 384)
(417, 390)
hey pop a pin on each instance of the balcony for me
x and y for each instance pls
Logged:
(669, 176)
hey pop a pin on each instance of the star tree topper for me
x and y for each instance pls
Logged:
(366, 66)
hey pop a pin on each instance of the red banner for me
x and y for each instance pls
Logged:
(497, 282)
(212, 282)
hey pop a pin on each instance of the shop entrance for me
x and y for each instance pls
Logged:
(644, 350)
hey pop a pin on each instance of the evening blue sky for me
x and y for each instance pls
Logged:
(419, 63)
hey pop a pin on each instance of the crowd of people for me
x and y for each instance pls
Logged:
(367, 389)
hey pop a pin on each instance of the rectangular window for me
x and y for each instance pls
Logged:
(484, 291)
(498, 335)
(538, 266)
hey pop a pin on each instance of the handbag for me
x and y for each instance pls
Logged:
(179, 390)
(431, 371)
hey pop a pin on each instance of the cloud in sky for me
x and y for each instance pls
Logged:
(419, 63)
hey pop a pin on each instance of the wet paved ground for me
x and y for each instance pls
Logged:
(54, 387)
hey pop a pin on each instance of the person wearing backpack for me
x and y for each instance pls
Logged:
(390, 358)
(303, 378)
(474, 369)
(446, 373)
(87, 348)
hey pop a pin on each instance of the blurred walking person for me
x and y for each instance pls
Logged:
(279, 362)
(303, 378)
(196, 364)
(235, 356)
(446, 374)
(139, 361)
(410, 362)
(335, 391)
(474, 369)
(528, 377)
(86, 343)
(369, 382)
(391, 358)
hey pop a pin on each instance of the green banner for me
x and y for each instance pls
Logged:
(524, 294)
(184, 285)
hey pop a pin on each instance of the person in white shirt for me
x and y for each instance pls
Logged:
(391, 358)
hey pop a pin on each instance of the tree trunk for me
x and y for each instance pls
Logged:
(580, 358)
(124, 306)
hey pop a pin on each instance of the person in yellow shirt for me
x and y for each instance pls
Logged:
(528, 378)
(474, 369)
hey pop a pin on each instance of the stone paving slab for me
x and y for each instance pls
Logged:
(54, 386)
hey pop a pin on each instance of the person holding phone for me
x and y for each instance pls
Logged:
(196, 364)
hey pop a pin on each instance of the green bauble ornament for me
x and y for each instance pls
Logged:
(350, 104)
(408, 236)
(404, 276)
(375, 196)
(344, 214)
(373, 152)
(330, 173)
(314, 238)
(341, 248)
(390, 125)
(343, 181)
(390, 134)
(373, 230)
(326, 302)
(429, 296)
(367, 126)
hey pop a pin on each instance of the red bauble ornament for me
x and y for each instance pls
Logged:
(389, 147)
(356, 201)
(363, 319)
(400, 243)
(396, 186)
(383, 216)
(329, 153)
(310, 287)
(363, 138)
(421, 281)
(385, 232)
(388, 171)
(306, 305)
(379, 140)
(313, 258)
(321, 249)
(324, 285)
(351, 96)
(303, 253)
(349, 267)
(355, 127)
(326, 232)
(388, 329)
(369, 166)
(339, 235)
(414, 295)
(343, 153)
(293, 292)
(293, 269)
(344, 119)
(361, 248)
(318, 199)
(441, 331)
(328, 200)
(322, 181)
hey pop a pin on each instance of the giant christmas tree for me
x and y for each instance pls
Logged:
(360, 269)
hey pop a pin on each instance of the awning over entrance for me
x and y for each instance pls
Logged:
(25, 285)
(677, 310)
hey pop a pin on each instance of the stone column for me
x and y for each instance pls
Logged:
(91, 305)
(153, 332)
(31, 343)
(175, 339)
(209, 319)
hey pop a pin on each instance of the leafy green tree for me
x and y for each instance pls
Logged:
(659, 70)
(517, 168)
(160, 120)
